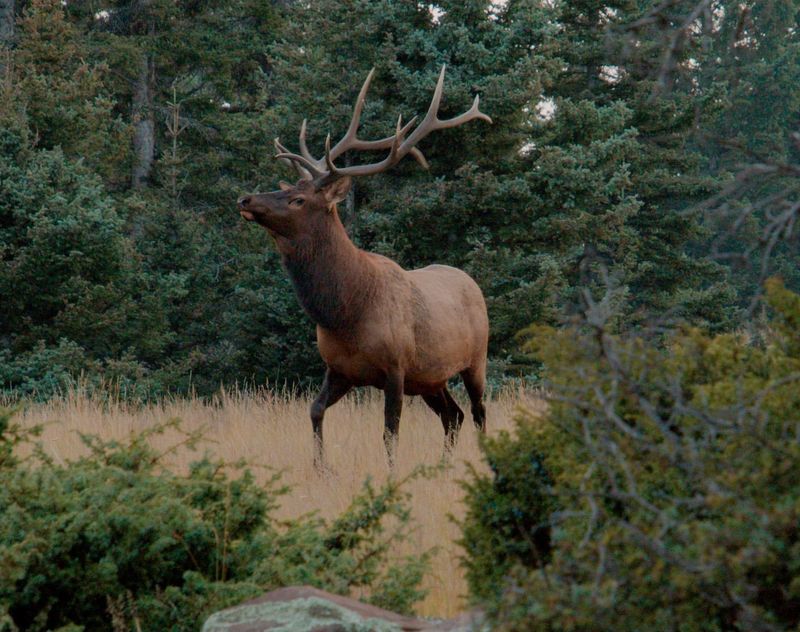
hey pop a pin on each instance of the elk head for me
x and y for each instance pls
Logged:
(288, 211)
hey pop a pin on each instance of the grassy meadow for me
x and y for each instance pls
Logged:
(273, 432)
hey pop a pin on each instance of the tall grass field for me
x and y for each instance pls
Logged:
(273, 433)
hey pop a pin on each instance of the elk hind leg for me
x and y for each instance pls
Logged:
(334, 387)
(475, 383)
(449, 412)
(456, 419)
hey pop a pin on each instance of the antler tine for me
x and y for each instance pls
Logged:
(386, 143)
(399, 146)
(472, 113)
(391, 159)
(302, 141)
(400, 131)
(383, 143)
(433, 109)
(313, 169)
(304, 173)
(432, 115)
(419, 157)
(279, 147)
(332, 170)
(349, 140)
(431, 122)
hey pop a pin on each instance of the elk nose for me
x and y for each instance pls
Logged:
(244, 201)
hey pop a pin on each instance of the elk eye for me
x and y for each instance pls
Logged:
(297, 202)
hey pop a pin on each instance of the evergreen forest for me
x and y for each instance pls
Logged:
(631, 215)
(640, 147)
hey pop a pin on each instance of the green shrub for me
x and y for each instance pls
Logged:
(76, 300)
(507, 521)
(114, 540)
(671, 488)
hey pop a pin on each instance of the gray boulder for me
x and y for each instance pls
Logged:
(307, 609)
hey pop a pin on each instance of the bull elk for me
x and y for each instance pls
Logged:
(402, 331)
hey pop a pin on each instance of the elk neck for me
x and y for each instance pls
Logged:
(333, 278)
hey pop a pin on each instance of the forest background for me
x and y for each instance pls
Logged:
(631, 216)
(621, 156)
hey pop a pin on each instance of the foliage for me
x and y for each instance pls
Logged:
(588, 186)
(596, 159)
(116, 537)
(507, 515)
(646, 146)
(64, 93)
(669, 478)
(74, 295)
(735, 58)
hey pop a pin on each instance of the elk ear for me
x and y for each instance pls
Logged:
(337, 190)
(284, 186)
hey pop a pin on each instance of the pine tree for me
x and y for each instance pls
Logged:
(195, 114)
(627, 177)
(589, 174)
(75, 300)
(755, 56)
(64, 94)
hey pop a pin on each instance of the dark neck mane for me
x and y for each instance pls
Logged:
(332, 278)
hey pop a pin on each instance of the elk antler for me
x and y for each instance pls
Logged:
(323, 169)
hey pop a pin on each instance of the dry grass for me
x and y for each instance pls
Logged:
(275, 432)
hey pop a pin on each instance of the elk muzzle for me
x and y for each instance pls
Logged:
(243, 202)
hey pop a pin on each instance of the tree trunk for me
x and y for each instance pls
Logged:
(144, 141)
(6, 22)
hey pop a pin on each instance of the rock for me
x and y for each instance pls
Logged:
(307, 609)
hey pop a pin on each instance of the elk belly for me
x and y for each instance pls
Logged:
(451, 328)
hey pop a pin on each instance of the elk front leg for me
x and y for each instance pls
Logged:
(393, 406)
(334, 387)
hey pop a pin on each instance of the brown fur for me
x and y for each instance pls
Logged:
(406, 332)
